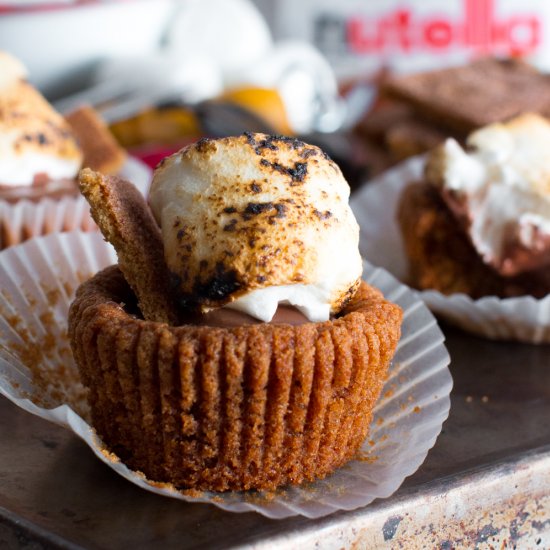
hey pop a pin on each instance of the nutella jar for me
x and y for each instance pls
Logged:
(359, 38)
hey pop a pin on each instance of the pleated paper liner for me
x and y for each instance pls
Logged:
(24, 219)
(525, 319)
(38, 374)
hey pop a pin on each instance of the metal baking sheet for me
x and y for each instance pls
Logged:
(485, 484)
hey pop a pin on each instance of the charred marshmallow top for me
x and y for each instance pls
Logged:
(252, 221)
(500, 190)
(34, 138)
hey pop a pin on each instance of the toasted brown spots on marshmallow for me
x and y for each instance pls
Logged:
(265, 215)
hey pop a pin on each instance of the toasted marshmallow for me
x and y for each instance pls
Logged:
(34, 138)
(500, 190)
(252, 221)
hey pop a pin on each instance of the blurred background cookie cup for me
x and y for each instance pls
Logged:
(40, 156)
(521, 318)
(25, 218)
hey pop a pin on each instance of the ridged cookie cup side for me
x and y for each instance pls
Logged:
(257, 406)
(23, 219)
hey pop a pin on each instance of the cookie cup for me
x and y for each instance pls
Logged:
(250, 407)
(376, 204)
(24, 218)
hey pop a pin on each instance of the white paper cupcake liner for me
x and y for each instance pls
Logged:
(24, 219)
(37, 373)
(525, 319)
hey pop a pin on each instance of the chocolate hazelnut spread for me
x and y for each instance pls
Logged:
(42, 187)
(525, 248)
(228, 318)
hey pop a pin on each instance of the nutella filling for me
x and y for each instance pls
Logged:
(41, 187)
(229, 318)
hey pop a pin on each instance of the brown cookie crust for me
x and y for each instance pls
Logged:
(255, 406)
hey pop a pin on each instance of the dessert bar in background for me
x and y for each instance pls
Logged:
(417, 112)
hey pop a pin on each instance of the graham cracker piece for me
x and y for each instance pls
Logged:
(401, 132)
(376, 123)
(471, 96)
(100, 148)
(412, 136)
(126, 222)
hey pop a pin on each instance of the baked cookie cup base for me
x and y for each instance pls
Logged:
(252, 407)
(523, 318)
(24, 219)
